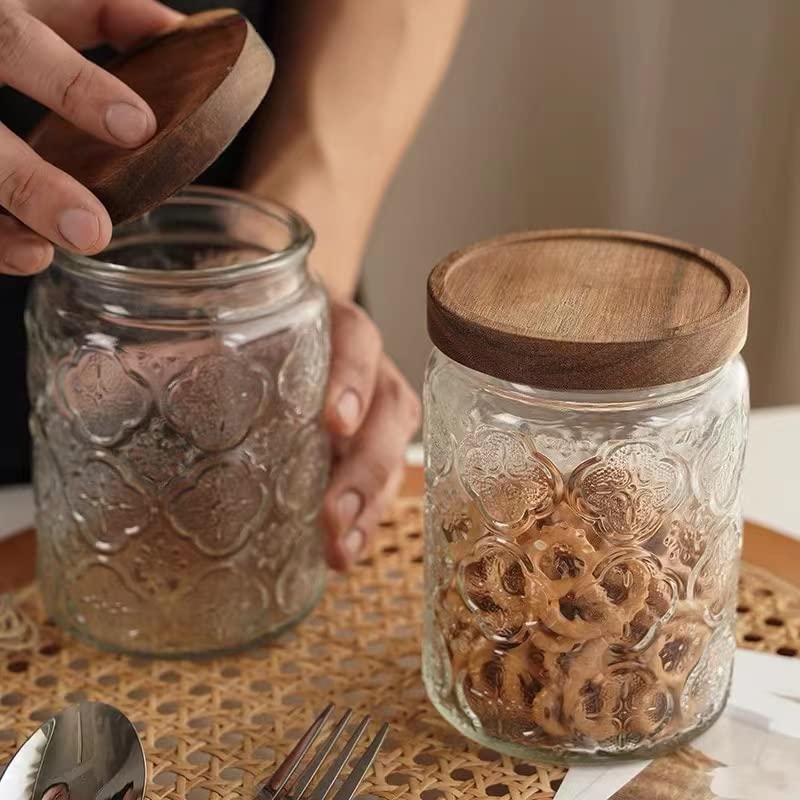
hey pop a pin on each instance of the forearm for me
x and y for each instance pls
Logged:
(353, 80)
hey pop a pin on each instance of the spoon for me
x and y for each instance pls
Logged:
(90, 751)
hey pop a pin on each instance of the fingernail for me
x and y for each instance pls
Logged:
(349, 507)
(25, 258)
(353, 544)
(348, 409)
(128, 124)
(79, 227)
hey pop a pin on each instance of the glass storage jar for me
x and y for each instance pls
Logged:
(176, 384)
(585, 424)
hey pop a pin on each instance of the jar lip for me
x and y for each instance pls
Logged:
(300, 233)
(601, 399)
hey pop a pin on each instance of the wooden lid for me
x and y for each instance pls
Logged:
(588, 309)
(203, 80)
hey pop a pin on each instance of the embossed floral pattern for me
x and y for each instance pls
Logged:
(219, 595)
(275, 544)
(107, 400)
(628, 489)
(439, 441)
(269, 442)
(218, 506)
(301, 380)
(299, 579)
(713, 580)
(102, 595)
(215, 400)
(453, 513)
(687, 537)
(108, 503)
(157, 452)
(718, 477)
(301, 480)
(708, 682)
(620, 706)
(513, 484)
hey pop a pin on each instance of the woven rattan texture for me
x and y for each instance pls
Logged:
(213, 730)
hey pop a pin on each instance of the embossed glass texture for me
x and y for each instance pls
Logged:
(179, 458)
(581, 560)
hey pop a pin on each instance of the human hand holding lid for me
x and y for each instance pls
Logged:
(122, 140)
(39, 43)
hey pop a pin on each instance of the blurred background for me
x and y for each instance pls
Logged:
(674, 117)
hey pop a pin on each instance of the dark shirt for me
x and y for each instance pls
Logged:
(20, 114)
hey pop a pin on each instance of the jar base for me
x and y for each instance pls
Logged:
(565, 757)
(191, 655)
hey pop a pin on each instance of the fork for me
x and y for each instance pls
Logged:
(276, 787)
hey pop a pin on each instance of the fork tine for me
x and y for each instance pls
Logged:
(289, 765)
(350, 786)
(322, 789)
(308, 774)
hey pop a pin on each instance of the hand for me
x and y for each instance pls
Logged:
(39, 42)
(372, 413)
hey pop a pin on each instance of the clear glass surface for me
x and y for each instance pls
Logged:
(582, 558)
(176, 385)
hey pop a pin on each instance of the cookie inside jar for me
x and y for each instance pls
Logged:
(558, 637)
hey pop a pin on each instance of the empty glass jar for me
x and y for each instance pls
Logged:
(176, 384)
(583, 520)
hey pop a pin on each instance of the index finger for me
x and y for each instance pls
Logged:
(38, 62)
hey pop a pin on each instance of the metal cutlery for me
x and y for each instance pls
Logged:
(278, 788)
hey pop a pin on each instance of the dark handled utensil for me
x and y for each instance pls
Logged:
(276, 787)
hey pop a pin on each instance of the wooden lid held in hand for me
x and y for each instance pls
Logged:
(203, 80)
(588, 309)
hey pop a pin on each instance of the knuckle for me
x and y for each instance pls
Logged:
(414, 410)
(356, 372)
(349, 311)
(74, 89)
(402, 398)
(14, 36)
(354, 317)
(378, 475)
(17, 188)
(395, 389)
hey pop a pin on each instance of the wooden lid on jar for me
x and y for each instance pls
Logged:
(588, 309)
(204, 79)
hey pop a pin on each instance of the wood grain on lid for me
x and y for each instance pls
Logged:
(203, 81)
(588, 309)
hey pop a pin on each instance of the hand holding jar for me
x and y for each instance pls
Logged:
(372, 412)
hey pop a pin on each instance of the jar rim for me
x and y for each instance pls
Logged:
(593, 399)
(301, 240)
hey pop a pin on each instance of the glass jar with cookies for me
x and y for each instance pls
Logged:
(585, 423)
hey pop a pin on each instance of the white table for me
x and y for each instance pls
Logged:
(771, 482)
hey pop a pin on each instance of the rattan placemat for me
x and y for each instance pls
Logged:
(214, 730)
